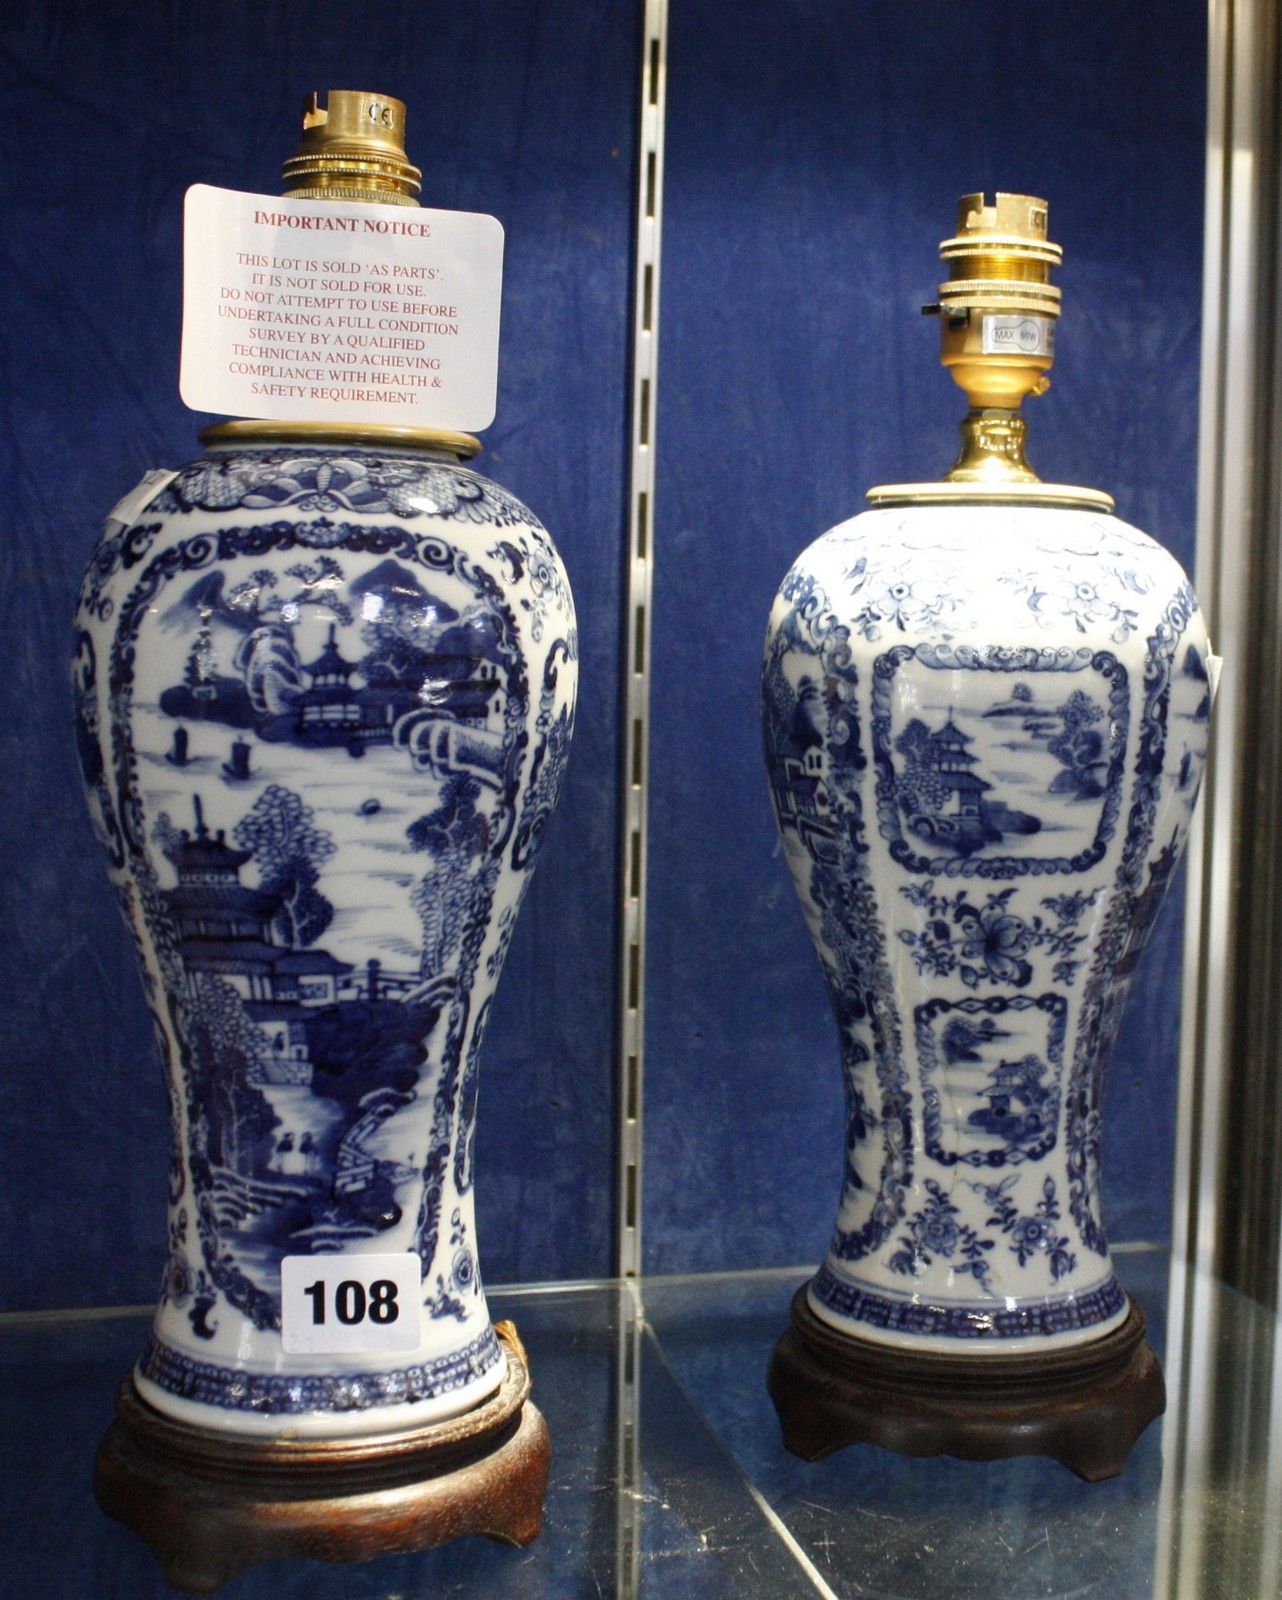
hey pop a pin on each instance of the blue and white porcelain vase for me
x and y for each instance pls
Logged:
(324, 694)
(986, 715)
(325, 681)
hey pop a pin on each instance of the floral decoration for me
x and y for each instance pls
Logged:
(1030, 1235)
(990, 943)
(936, 1231)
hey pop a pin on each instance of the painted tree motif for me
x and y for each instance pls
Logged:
(454, 835)
(289, 850)
(1079, 749)
(921, 790)
(230, 1053)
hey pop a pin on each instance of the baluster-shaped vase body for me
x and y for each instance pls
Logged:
(986, 712)
(984, 727)
(325, 690)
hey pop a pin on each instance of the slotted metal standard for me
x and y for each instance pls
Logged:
(639, 587)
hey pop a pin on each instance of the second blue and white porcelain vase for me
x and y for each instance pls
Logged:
(986, 712)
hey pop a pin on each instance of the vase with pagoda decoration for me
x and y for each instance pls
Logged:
(986, 711)
(324, 681)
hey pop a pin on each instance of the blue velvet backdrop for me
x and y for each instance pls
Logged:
(112, 110)
(815, 153)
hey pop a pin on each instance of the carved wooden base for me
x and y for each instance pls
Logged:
(1085, 1407)
(209, 1505)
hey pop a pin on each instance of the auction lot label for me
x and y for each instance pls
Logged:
(330, 1304)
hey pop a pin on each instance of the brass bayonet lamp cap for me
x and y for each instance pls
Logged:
(353, 148)
(997, 312)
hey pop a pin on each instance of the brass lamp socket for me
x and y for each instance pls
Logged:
(998, 307)
(353, 148)
(997, 311)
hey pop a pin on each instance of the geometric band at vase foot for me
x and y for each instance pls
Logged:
(209, 1504)
(1084, 1407)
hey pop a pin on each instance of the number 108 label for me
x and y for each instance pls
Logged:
(330, 1304)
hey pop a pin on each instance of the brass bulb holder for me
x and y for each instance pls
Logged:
(997, 312)
(999, 264)
(353, 148)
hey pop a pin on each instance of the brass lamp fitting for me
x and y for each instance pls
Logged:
(997, 311)
(997, 314)
(353, 148)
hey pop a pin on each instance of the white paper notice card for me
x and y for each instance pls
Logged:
(320, 310)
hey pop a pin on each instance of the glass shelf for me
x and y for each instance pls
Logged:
(669, 1481)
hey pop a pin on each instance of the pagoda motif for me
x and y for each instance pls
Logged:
(799, 774)
(292, 1134)
(225, 928)
(803, 802)
(1147, 904)
(1018, 1102)
(360, 705)
(942, 796)
(329, 704)
(416, 674)
(952, 762)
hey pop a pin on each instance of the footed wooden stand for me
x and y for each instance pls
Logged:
(209, 1505)
(1084, 1407)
